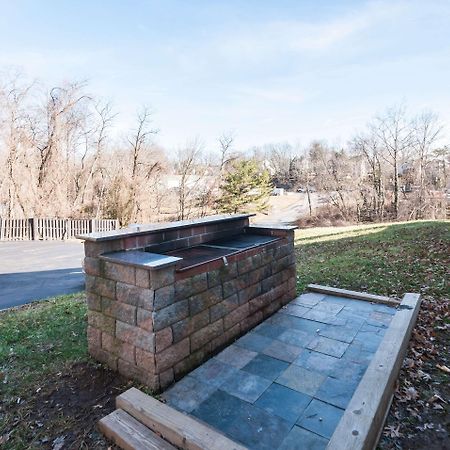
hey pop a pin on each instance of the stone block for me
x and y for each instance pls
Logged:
(163, 339)
(223, 308)
(135, 296)
(118, 348)
(206, 334)
(226, 337)
(144, 319)
(247, 264)
(213, 278)
(145, 360)
(164, 296)
(272, 282)
(166, 378)
(120, 311)
(136, 336)
(162, 277)
(251, 321)
(104, 357)
(131, 371)
(280, 264)
(192, 361)
(245, 295)
(292, 283)
(170, 314)
(94, 336)
(94, 249)
(242, 281)
(101, 286)
(282, 251)
(272, 307)
(119, 272)
(236, 316)
(191, 286)
(92, 266)
(101, 322)
(142, 278)
(267, 256)
(260, 302)
(229, 272)
(229, 288)
(200, 302)
(93, 301)
(190, 324)
(172, 355)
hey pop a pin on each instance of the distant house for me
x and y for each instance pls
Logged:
(200, 182)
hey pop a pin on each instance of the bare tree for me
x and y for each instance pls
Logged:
(426, 131)
(368, 146)
(395, 137)
(190, 177)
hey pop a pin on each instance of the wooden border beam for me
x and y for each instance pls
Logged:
(353, 294)
(179, 429)
(362, 423)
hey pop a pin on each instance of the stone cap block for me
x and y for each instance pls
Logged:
(271, 226)
(157, 228)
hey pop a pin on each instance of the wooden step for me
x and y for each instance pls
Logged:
(129, 434)
(179, 429)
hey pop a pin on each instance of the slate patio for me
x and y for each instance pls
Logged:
(286, 384)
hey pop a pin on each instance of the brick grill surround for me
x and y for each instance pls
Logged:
(153, 322)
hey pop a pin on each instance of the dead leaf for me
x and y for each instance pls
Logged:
(4, 439)
(392, 431)
(411, 393)
(436, 397)
(443, 368)
(58, 443)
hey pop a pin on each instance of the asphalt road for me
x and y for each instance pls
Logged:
(35, 270)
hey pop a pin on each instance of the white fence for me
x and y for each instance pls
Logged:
(52, 229)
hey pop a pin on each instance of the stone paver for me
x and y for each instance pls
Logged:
(317, 362)
(236, 356)
(246, 386)
(283, 402)
(283, 351)
(328, 346)
(286, 384)
(301, 379)
(214, 372)
(266, 366)
(320, 418)
(301, 439)
(188, 393)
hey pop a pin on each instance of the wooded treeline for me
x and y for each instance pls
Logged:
(60, 157)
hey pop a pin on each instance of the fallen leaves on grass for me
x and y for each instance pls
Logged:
(421, 399)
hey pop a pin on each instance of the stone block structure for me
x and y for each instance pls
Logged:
(163, 298)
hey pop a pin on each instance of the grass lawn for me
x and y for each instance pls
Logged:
(51, 393)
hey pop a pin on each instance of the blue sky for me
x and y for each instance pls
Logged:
(270, 71)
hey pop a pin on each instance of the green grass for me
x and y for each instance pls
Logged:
(385, 259)
(40, 339)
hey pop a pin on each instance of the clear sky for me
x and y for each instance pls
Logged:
(279, 70)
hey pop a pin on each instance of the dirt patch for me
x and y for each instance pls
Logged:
(63, 412)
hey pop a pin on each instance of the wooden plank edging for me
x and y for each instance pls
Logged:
(179, 429)
(353, 294)
(362, 423)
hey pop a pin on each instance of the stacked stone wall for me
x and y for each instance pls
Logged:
(155, 325)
